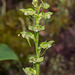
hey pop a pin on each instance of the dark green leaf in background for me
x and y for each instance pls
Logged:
(6, 53)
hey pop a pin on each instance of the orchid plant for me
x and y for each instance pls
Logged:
(38, 17)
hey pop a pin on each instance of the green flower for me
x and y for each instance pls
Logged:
(33, 59)
(47, 15)
(28, 11)
(43, 15)
(45, 5)
(46, 45)
(29, 71)
(28, 35)
(36, 28)
(35, 3)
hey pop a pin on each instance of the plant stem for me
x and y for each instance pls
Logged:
(36, 44)
(37, 54)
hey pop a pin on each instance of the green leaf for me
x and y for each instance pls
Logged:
(6, 53)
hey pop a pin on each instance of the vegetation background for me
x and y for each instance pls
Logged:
(60, 59)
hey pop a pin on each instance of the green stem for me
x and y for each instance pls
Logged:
(37, 54)
(36, 45)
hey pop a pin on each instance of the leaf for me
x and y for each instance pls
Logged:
(6, 53)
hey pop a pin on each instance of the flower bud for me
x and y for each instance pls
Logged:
(46, 5)
(35, 3)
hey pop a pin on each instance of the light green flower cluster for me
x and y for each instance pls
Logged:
(36, 28)
(43, 15)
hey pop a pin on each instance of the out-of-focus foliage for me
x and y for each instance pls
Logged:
(10, 26)
(6, 53)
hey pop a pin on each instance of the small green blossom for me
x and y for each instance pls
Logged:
(35, 3)
(46, 45)
(28, 11)
(33, 59)
(40, 59)
(36, 28)
(46, 5)
(28, 35)
(29, 71)
(47, 15)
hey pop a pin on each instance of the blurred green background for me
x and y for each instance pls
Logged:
(60, 59)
